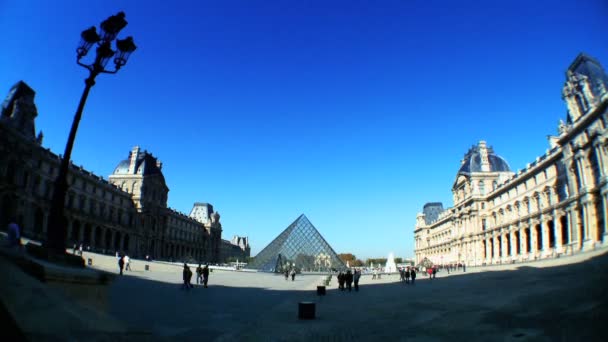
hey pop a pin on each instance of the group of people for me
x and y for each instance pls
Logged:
(202, 276)
(291, 273)
(124, 262)
(346, 279)
(407, 274)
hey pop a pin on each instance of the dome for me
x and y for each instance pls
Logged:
(145, 164)
(472, 161)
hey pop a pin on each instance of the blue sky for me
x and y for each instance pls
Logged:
(355, 113)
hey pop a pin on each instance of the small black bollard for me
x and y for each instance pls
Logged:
(147, 267)
(306, 310)
(90, 261)
(320, 290)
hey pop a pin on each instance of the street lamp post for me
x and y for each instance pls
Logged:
(56, 231)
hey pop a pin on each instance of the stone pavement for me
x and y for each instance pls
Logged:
(560, 299)
(551, 300)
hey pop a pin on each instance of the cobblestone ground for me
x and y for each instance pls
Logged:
(562, 299)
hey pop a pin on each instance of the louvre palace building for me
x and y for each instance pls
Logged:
(126, 213)
(555, 206)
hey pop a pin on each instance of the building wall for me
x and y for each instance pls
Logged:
(555, 206)
(127, 213)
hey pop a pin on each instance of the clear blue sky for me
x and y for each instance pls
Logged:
(355, 113)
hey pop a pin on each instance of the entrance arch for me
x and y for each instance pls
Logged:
(551, 228)
(564, 230)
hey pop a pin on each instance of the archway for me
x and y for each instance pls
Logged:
(38, 222)
(75, 236)
(108, 240)
(7, 211)
(86, 238)
(98, 235)
(528, 240)
(125, 244)
(500, 251)
(117, 242)
(564, 230)
(539, 238)
(551, 228)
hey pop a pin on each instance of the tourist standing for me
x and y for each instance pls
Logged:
(286, 274)
(341, 281)
(80, 250)
(356, 278)
(121, 264)
(464, 267)
(413, 275)
(434, 272)
(349, 280)
(375, 274)
(407, 275)
(14, 234)
(293, 274)
(199, 275)
(205, 275)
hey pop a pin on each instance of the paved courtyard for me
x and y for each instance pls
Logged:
(554, 300)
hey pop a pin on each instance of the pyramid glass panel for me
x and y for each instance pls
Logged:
(301, 246)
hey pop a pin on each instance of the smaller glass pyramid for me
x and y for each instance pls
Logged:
(299, 246)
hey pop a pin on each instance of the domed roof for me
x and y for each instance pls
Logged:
(474, 160)
(145, 164)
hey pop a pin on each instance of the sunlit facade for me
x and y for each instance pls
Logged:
(555, 206)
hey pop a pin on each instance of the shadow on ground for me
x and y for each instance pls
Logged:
(561, 303)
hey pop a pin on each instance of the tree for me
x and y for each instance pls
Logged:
(398, 260)
(347, 257)
(357, 263)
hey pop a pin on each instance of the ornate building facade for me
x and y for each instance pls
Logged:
(555, 206)
(126, 213)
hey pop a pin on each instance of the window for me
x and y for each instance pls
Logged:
(482, 190)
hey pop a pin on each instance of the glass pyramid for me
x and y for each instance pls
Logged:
(300, 246)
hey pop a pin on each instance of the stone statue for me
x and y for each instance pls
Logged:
(562, 128)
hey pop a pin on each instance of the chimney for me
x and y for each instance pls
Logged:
(133, 159)
(159, 164)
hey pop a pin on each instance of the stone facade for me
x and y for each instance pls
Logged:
(237, 248)
(126, 213)
(555, 206)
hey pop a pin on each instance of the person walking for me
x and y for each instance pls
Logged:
(407, 275)
(356, 278)
(341, 281)
(434, 272)
(375, 274)
(186, 276)
(464, 267)
(293, 274)
(205, 275)
(80, 250)
(413, 275)
(199, 275)
(121, 264)
(127, 263)
(286, 274)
